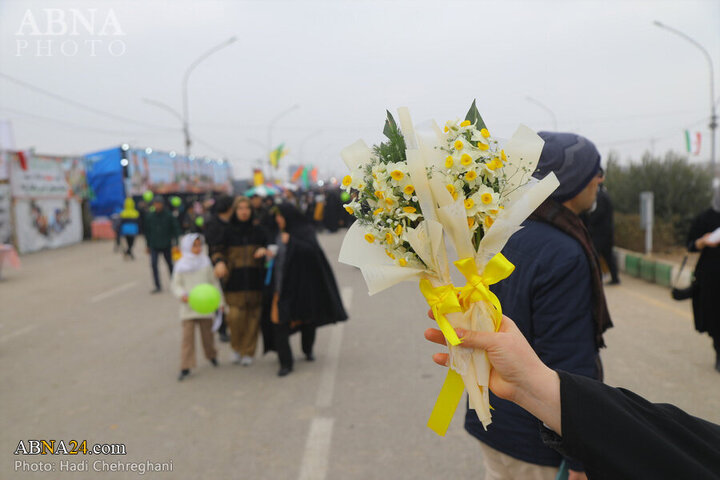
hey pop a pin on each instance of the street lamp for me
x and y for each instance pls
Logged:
(272, 123)
(204, 56)
(304, 141)
(713, 117)
(536, 102)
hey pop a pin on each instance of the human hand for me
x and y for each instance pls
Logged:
(260, 252)
(704, 241)
(518, 375)
(221, 270)
(285, 237)
(275, 311)
(184, 298)
(574, 475)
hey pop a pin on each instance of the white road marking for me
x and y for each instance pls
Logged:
(17, 333)
(327, 381)
(346, 293)
(111, 292)
(317, 450)
(660, 304)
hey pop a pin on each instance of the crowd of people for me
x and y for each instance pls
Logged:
(262, 253)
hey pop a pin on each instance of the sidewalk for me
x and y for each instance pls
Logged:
(655, 270)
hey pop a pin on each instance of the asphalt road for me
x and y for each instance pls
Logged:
(86, 353)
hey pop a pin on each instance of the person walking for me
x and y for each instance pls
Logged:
(306, 295)
(161, 233)
(601, 225)
(193, 268)
(239, 261)
(705, 299)
(215, 228)
(556, 297)
(129, 226)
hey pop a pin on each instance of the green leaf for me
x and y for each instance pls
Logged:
(474, 116)
(390, 125)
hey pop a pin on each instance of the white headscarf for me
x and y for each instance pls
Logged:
(189, 262)
(716, 194)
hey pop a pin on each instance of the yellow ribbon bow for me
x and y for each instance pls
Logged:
(478, 285)
(442, 300)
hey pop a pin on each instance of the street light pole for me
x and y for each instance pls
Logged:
(304, 141)
(271, 125)
(713, 116)
(186, 122)
(544, 107)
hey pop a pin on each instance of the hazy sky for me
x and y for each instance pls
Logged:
(602, 68)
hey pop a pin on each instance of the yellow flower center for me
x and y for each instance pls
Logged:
(449, 161)
(389, 254)
(389, 201)
(470, 176)
(369, 237)
(349, 210)
(379, 194)
(465, 123)
(471, 222)
(409, 189)
(485, 133)
(494, 212)
(466, 159)
(347, 180)
(469, 203)
(389, 238)
(377, 212)
(486, 198)
(489, 221)
(398, 230)
(503, 156)
(483, 146)
(446, 129)
(361, 186)
(409, 209)
(458, 145)
(494, 164)
(397, 175)
(402, 262)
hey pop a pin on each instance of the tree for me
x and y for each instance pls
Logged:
(681, 190)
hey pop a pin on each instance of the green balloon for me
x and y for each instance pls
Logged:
(175, 201)
(345, 196)
(199, 221)
(204, 298)
(148, 196)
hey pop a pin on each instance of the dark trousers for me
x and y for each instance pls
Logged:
(282, 342)
(130, 239)
(607, 254)
(154, 254)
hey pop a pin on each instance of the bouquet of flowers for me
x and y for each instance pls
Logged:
(422, 186)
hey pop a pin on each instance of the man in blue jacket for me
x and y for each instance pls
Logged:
(555, 295)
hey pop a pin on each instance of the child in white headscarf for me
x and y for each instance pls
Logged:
(193, 268)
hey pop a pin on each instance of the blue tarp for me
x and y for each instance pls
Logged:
(105, 179)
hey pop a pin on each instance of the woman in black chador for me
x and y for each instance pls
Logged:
(706, 301)
(306, 295)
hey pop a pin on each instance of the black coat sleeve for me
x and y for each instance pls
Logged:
(620, 435)
(698, 228)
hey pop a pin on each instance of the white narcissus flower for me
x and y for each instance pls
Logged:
(487, 199)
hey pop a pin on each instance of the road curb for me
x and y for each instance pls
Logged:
(661, 272)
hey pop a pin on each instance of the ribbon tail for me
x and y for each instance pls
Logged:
(447, 329)
(446, 404)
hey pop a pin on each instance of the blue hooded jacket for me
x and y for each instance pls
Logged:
(549, 297)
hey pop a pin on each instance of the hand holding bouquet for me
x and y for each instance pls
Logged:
(421, 186)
